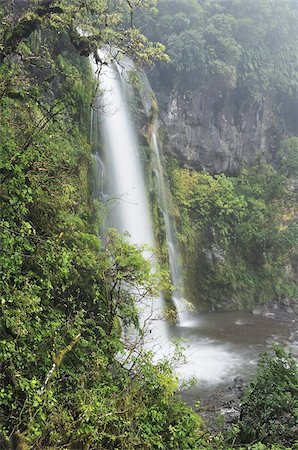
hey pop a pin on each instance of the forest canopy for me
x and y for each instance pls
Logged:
(251, 44)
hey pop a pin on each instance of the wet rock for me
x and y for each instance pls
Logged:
(232, 415)
(222, 409)
(220, 130)
(285, 309)
(214, 255)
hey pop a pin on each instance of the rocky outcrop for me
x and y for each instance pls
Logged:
(218, 132)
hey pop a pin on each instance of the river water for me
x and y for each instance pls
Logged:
(221, 346)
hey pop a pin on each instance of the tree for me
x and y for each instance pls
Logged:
(34, 33)
(249, 45)
(237, 235)
(101, 22)
(69, 377)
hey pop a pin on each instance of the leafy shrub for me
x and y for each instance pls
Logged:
(269, 408)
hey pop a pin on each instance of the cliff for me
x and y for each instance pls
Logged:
(229, 94)
(220, 132)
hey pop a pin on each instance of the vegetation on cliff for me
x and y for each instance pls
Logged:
(238, 235)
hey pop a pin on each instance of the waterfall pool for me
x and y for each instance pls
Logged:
(221, 346)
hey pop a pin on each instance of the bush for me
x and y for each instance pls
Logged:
(269, 408)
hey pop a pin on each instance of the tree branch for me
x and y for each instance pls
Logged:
(58, 360)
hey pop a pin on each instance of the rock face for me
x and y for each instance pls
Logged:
(216, 131)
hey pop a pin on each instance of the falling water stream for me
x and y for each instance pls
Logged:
(125, 185)
(147, 97)
(172, 244)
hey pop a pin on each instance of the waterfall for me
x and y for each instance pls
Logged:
(164, 200)
(147, 97)
(125, 182)
(170, 229)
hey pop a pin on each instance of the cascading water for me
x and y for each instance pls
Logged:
(125, 182)
(147, 96)
(170, 229)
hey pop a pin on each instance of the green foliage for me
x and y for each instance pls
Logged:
(288, 157)
(103, 23)
(222, 445)
(249, 44)
(269, 407)
(205, 196)
(70, 376)
(64, 304)
(237, 233)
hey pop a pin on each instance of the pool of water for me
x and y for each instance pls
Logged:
(222, 346)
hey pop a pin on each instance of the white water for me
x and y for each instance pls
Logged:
(126, 187)
(221, 346)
